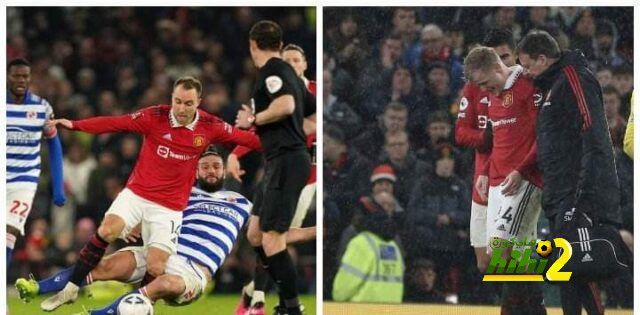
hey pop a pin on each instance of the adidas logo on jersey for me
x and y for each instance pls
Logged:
(167, 136)
(586, 258)
(501, 228)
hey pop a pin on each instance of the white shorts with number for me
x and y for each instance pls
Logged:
(513, 216)
(160, 225)
(304, 202)
(19, 203)
(478, 225)
(194, 279)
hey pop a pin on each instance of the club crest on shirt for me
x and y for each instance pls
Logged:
(198, 141)
(463, 103)
(507, 99)
(32, 115)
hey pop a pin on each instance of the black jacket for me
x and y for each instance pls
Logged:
(575, 152)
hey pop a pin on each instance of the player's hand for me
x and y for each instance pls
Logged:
(482, 186)
(134, 235)
(245, 118)
(511, 183)
(233, 167)
(63, 122)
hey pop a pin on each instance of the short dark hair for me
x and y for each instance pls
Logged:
(438, 116)
(497, 37)
(189, 83)
(267, 34)
(623, 69)
(396, 106)
(537, 43)
(296, 48)
(18, 62)
(610, 90)
(334, 132)
(212, 150)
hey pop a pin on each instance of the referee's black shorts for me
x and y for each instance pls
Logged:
(276, 200)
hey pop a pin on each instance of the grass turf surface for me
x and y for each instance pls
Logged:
(216, 304)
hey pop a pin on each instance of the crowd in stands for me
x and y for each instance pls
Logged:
(392, 81)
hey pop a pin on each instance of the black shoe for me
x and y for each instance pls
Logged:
(282, 310)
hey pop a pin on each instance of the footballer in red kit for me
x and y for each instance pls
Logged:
(158, 189)
(514, 194)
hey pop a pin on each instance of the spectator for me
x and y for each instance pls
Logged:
(394, 119)
(438, 211)
(407, 168)
(606, 43)
(623, 82)
(604, 76)
(584, 30)
(336, 111)
(404, 23)
(617, 123)
(372, 267)
(421, 283)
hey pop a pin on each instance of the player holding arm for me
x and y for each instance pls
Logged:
(158, 189)
(27, 117)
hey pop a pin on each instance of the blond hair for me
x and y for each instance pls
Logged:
(479, 58)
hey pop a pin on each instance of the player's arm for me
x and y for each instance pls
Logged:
(355, 264)
(134, 122)
(466, 132)
(278, 109)
(55, 161)
(528, 164)
(225, 133)
(297, 235)
(309, 125)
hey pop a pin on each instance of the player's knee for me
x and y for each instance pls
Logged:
(108, 233)
(169, 285)
(156, 268)
(254, 237)
(273, 242)
(104, 266)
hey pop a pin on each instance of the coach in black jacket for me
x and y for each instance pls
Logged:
(575, 152)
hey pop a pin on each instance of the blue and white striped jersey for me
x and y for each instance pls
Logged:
(25, 127)
(210, 226)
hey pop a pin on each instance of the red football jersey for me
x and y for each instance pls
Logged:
(513, 116)
(470, 126)
(166, 166)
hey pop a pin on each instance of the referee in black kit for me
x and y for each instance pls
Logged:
(575, 153)
(279, 104)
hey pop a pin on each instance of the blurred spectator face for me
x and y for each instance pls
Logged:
(604, 77)
(112, 187)
(184, 103)
(129, 147)
(296, 60)
(348, 26)
(439, 130)
(538, 15)
(86, 79)
(506, 55)
(432, 42)
(623, 83)
(107, 159)
(85, 228)
(438, 79)
(604, 41)
(505, 16)
(332, 148)
(19, 78)
(445, 167)
(456, 39)
(386, 201)
(382, 185)
(426, 278)
(107, 102)
(404, 20)
(402, 81)
(611, 105)
(395, 120)
(76, 153)
(397, 146)
(391, 50)
(210, 173)
(586, 26)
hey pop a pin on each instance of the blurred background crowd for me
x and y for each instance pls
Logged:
(392, 82)
(111, 61)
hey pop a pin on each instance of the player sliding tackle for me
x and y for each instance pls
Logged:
(157, 191)
(210, 226)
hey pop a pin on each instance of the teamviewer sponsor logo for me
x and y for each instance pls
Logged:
(163, 151)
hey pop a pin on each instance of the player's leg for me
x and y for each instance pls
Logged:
(285, 176)
(478, 235)
(119, 266)
(160, 231)
(19, 202)
(255, 290)
(124, 214)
